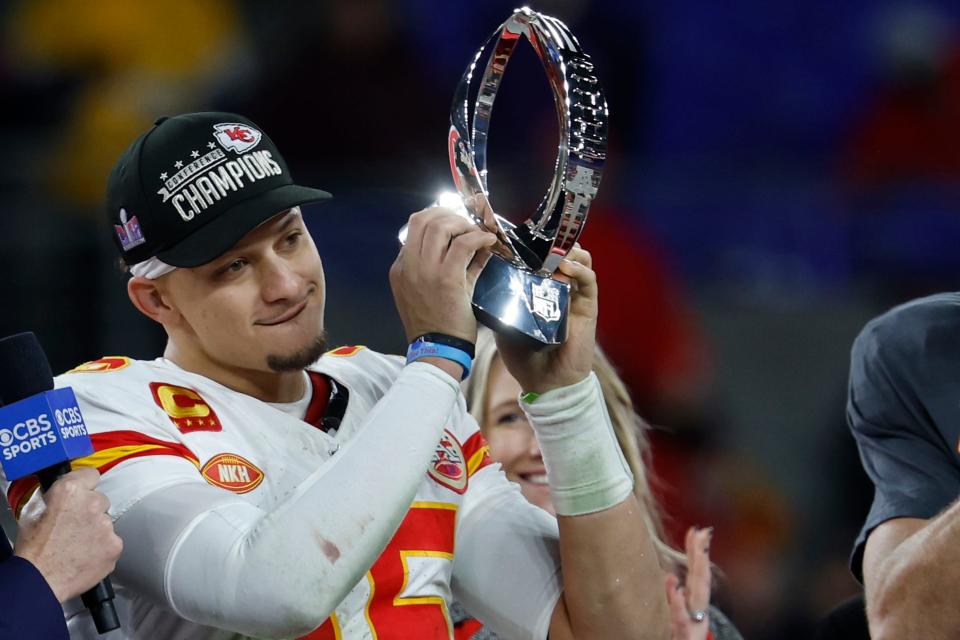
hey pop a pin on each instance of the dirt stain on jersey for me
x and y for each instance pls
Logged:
(329, 549)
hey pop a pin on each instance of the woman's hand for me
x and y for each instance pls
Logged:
(690, 603)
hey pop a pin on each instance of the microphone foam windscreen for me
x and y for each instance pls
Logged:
(24, 368)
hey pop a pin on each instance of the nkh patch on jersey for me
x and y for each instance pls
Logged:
(187, 410)
(447, 466)
(232, 472)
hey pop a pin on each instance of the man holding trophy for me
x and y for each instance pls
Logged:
(265, 488)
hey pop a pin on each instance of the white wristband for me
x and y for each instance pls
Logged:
(585, 467)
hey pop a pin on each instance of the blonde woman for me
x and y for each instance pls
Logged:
(493, 399)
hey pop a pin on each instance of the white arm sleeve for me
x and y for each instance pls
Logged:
(506, 571)
(220, 561)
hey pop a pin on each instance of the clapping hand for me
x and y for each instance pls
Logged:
(690, 602)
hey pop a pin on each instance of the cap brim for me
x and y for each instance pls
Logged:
(216, 237)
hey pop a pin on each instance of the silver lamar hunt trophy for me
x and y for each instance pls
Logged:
(515, 293)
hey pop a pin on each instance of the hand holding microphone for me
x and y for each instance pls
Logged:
(41, 431)
(71, 540)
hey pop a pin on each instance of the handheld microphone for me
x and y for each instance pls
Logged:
(41, 431)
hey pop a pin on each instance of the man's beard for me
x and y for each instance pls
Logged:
(300, 359)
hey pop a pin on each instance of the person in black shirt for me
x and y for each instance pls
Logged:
(904, 411)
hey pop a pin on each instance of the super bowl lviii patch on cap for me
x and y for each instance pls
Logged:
(128, 231)
(189, 188)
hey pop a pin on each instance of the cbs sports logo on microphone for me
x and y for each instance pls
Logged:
(45, 428)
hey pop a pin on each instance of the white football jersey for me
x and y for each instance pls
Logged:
(155, 426)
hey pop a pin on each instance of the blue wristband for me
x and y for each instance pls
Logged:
(420, 348)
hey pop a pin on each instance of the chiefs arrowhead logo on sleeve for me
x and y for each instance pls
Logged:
(448, 466)
(106, 363)
(232, 472)
(188, 411)
(109, 449)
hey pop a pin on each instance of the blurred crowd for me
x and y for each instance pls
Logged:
(778, 174)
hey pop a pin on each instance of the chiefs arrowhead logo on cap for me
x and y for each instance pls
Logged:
(236, 137)
(232, 472)
(448, 467)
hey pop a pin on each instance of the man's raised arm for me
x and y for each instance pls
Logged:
(613, 585)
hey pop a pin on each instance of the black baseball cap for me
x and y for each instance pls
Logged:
(189, 188)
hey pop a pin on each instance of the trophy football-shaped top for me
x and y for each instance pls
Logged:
(515, 293)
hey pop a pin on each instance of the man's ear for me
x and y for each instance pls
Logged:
(150, 301)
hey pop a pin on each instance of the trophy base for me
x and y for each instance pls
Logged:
(521, 304)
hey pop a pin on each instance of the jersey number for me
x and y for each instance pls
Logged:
(397, 606)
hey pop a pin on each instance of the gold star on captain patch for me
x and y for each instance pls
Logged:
(194, 154)
(177, 165)
(189, 422)
(163, 176)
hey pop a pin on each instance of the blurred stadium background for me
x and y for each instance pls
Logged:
(779, 173)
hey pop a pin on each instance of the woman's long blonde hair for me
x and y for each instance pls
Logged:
(629, 427)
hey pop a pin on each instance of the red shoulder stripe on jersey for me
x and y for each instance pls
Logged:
(19, 493)
(319, 399)
(344, 352)
(476, 451)
(113, 447)
(106, 363)
(110, 449)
